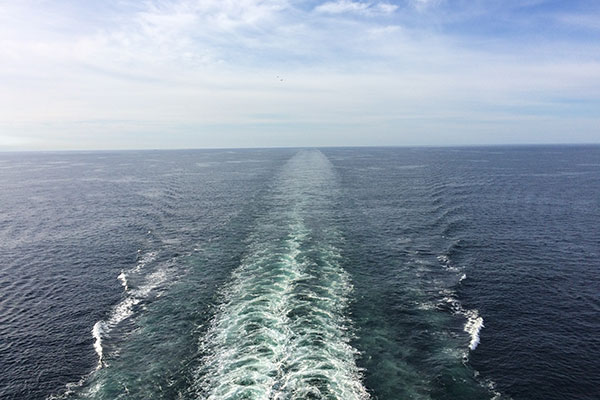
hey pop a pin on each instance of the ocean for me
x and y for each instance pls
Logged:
(332, 273)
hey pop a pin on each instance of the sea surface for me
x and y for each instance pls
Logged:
(334, 273)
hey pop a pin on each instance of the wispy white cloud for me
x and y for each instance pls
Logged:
(384, 30)
(356, 7)
(191, 68)
(424, 4)
(581, 21)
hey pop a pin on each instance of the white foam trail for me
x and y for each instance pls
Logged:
(474, 322)
(123, 278)
(443, 259)
(323, 343)
(491, 386)
(247, 339)
(97, 334)
(274, 341)
(473, 326)
(281, 332)
(145, 259)
(447, 264)
(124, 309)
(152, 285)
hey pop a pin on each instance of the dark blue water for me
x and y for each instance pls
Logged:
(382, 273)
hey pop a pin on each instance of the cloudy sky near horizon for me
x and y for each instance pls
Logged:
(123, 74)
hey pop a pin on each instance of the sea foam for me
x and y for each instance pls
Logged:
(473, 326)
(125, 308)
(281, 330)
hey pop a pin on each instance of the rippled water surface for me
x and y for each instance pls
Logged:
(373, 273)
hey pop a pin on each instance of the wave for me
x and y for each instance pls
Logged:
(281, 331)
(473, 323)
(473, 326)
(125, 309)
(123, 278)
(97, 332)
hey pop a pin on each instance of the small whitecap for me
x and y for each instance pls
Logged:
(97, 331)
(123, 279)
(473, 326)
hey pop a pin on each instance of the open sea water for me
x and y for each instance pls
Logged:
(337, 273)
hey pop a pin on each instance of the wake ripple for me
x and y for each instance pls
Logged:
(125, 308)
(281, 331)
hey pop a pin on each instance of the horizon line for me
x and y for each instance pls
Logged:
(429, 146)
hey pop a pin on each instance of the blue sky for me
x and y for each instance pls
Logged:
(123, 74)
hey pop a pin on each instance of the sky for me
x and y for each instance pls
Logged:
(162, 74)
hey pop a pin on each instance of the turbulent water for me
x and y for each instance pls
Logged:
(390, 273)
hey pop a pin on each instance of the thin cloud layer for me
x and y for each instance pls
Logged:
(356, 7)
(423, 4)
(275, 72)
